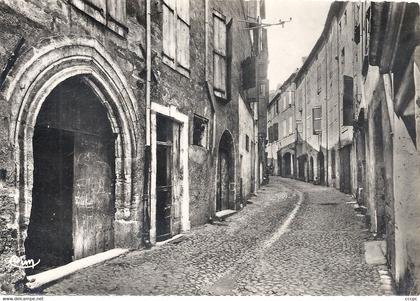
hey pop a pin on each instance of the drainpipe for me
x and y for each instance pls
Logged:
(147, 155)
(326, 112)
(339, 107)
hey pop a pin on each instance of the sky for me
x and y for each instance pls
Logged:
(287, 46)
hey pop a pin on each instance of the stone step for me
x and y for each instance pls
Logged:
(222, 215)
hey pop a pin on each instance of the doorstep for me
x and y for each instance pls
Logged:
(174, 239)
(375, 252)
(38, 280)
(222, 215)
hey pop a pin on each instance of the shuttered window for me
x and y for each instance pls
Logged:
(316, 118)
(111, 13)
(176, 34)
(219, 49)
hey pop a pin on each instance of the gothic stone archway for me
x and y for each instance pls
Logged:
(27, 89)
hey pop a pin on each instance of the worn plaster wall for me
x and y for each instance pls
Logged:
(246, 126)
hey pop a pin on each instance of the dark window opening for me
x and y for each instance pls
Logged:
(200, 131)
(247, 143)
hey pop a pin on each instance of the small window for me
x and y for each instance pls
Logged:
(343, 56)
(200, 131)
(316, 118)
(247, 143)
(277, 106)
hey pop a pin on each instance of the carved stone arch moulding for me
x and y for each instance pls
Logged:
(38, 72)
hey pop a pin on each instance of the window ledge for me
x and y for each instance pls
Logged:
(221, 97)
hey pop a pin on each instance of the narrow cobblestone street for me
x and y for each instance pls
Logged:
(294, 238)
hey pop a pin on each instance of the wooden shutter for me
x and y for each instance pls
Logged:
(183, 10)
(229, 50)
(219, 54)
(117, 11)
(183, 33)
(183, 44)
(348, 100)
(249, 74)
(168, 29)
(316, 120)
(94, 8)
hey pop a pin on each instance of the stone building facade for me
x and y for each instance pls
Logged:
(357, 96)
(281, 124)
(114, 116)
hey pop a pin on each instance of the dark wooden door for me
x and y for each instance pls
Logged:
(345, 175)
(223, 183)
(93, 205)
(49, 233)
(163, 191)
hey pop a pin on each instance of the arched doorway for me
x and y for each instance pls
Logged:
(302, 167)
(225, 173)
(41, 71)
(321, 168)
(287, 160)
(73, 195)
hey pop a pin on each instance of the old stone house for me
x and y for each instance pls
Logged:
(281, 126)
(119, 123)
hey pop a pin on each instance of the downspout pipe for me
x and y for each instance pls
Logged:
(147, 154)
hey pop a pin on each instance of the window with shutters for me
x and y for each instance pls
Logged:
(316, 119)
(176, 34)
(221, 55)
(110, 13)
(348, 100)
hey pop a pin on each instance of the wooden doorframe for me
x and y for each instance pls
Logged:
(182, 186)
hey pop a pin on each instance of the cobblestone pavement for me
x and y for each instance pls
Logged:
(280, 244)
